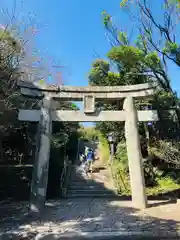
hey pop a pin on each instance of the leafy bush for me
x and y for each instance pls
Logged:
(104, 149)
(159, 178)
(121, 178)
(150, 173)
(120, 169)
(167, 151)
(121, 155)
(90, 133)
(164, 185)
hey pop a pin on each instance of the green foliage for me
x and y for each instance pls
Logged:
(124, 3)
(141, 43)
(174, 2)
(101, 76)
(74, 106)
(126, 55)
(17, 140)
(122, 36)
(106, 18)
(114, 79)
(101, 64)
(168, 152)
(121, 178)
(60, 139)
(104, 149)
(158, 178)
(164, 185)
(121, 155)
(11, 53)
(120, 169)
(171, 48)
(152, 60)
(42, 81)
(93, 134)
(90, 133)
(99, 71)
(140, 62)
(10, 41)
(165, 100)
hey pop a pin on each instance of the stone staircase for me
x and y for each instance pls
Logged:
(83, 186)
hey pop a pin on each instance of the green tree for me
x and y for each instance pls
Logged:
(144, 60)
(135, 56)
(17, 139)
(138, 62)
(134, 63)
(160, 34)
(100, 75)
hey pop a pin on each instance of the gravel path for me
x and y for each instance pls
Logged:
(89, 215)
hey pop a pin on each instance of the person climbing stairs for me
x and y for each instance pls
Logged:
(93, 185)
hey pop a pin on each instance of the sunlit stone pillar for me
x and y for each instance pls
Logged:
(134, 155)
(41, 165)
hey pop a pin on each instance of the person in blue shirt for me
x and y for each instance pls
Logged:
(89, 160)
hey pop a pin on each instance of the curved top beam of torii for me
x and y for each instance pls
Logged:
(75, 93)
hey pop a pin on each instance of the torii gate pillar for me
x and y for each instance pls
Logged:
(136, 172)
(41, 165)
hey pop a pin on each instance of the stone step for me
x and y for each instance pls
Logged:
(89, 195)
(86, 183)
(90, 191)
(86, 187)
(132, 234)
(81, 180)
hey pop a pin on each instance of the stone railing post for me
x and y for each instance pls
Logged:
(134, 155)
(41, 165)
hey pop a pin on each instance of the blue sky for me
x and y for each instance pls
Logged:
(71, 32)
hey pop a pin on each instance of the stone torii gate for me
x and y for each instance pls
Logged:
(88, 95)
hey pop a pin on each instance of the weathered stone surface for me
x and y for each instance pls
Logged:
(80, 216)
(89, 104)
(87, 89)
(78, 93)
(134, 155)
(31, 93)
(29, 115)
(78, 116)
(79, 96)
(117, 95)
(38, 86)
(41, 166)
